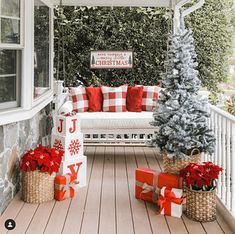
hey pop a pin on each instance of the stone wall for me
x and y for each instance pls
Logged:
(15, 138)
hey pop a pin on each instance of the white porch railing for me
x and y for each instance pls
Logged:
(223, 125)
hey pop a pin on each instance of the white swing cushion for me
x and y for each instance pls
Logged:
(111, 120)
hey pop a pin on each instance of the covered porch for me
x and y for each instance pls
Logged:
(107, 204)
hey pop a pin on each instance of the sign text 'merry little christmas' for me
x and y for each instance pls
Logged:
(111, 59)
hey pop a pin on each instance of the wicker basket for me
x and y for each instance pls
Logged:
(37, 187)
(174, 166)
(201, 205)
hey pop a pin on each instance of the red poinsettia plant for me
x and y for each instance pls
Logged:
(45, 160)
(201, 176)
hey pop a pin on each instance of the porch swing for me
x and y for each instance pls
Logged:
(97, 127)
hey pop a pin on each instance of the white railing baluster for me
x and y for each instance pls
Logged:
(216, 136)
(213, 127)
(205, 156)
(219, 158)
(233, 168)
(228, 162)
(223, 159)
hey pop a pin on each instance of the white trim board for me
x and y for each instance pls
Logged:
(19, 114)
(114, 3)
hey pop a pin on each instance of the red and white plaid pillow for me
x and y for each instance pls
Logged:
(79, 98)
(149, 98)
(114, 99)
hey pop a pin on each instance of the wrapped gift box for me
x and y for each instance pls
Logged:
(65, 186)
(169, 180)
(170, 202)
(149, 182)
(78, 167)
(72, 145)
(67, 125)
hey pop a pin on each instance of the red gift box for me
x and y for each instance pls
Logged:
(149, 182)
(64, 186)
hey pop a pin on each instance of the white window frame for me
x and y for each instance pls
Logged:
(28, 106)
(21, 18)
(18, 48)
(51, 57)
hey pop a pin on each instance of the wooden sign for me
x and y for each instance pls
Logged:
(111, 59)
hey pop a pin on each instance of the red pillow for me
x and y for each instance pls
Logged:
(95, 99)
(134, 98)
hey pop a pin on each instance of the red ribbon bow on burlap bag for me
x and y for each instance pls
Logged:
(166, 201)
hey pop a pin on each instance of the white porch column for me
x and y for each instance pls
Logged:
(176, 21)
(185, 12)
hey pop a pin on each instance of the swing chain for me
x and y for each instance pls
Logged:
(61, 39)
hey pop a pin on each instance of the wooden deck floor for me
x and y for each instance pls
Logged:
(107, 205)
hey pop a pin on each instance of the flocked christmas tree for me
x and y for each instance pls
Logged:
(182, 115)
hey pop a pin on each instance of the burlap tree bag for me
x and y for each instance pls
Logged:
(174, 166)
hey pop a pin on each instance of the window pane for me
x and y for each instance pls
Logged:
(10, 31)
(10, 64)
(10, 8)
(41, 48)
(7, 62)
(7, 88)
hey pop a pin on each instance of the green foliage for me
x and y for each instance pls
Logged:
(214, 98)
(230, 105)
(231, 79)
(41, 46)
(144, 30)
(212, 28)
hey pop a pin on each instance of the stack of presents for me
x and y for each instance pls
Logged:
(67, 136)
(163, 189)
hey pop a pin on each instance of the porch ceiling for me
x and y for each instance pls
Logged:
(130, 3)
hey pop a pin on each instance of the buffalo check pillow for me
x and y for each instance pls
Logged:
(79, 98)
(114, 98)
(150, 97)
